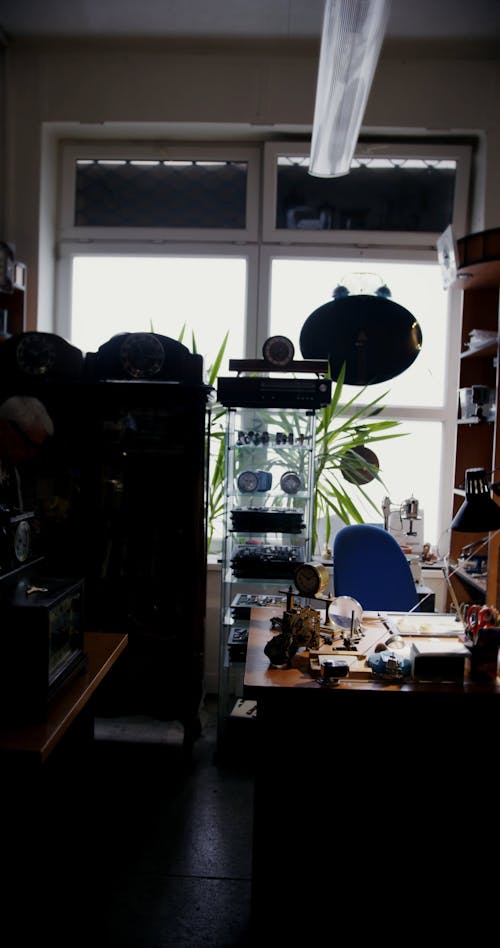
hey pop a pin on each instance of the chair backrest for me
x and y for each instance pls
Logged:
(370, 566)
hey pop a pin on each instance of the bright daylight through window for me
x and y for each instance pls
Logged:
(139, 294)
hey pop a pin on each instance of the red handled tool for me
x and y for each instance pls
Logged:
(480, 617)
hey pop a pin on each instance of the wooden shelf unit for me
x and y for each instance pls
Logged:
(477, 442)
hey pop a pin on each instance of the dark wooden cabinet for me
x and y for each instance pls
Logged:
(119, 496)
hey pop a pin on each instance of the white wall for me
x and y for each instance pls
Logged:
(71, 89)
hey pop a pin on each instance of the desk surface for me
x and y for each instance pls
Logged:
(261, 678)
(40, 738)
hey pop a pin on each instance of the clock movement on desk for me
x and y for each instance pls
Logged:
(312, 580)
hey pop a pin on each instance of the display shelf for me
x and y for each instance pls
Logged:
(269, 479)
(480, 352)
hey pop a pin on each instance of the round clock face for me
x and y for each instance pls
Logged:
(142, 355)
(22, 541)
(311, 578)
(36, 353)
(278, 351)
(291, 482)
(248, 481)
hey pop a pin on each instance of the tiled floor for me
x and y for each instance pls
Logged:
(181, 871)
(152, 851)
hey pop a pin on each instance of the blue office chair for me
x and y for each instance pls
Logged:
(370, 566)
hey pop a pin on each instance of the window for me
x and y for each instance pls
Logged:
(379, 194)
(160, 192)
(167, 237)
(152, 193)
(298, 283)
(166, 294)
(395, 194)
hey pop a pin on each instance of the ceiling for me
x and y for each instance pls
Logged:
(444, 20)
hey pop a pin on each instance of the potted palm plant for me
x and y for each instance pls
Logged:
(343, 432)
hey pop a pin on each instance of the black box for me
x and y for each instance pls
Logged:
(267, 520)
(260, 392)
(41, 622)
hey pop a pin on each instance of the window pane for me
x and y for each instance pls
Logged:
(379, 194)
(299, 286)
(405, 475)
(135, 193)
(139, 294)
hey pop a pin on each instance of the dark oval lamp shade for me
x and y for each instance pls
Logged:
(375, 337)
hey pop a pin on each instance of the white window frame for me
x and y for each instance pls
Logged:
(261, 241)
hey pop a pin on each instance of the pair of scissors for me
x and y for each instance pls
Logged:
(479, 617)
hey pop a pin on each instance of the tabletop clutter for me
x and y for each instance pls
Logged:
(348, 642)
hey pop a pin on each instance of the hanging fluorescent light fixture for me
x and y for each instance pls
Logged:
(353, 31)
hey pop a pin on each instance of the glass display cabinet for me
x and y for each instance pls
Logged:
(268, 522)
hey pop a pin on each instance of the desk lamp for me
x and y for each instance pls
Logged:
(479, 511)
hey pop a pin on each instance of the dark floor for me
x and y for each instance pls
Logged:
(153, 849)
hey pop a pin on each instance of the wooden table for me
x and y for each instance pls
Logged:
(52, 808)
(387, 784)
(33, 742)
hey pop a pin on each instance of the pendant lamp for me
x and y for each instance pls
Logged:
(375, 337)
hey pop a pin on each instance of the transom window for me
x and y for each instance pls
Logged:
(154, 193)
(379, 194)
